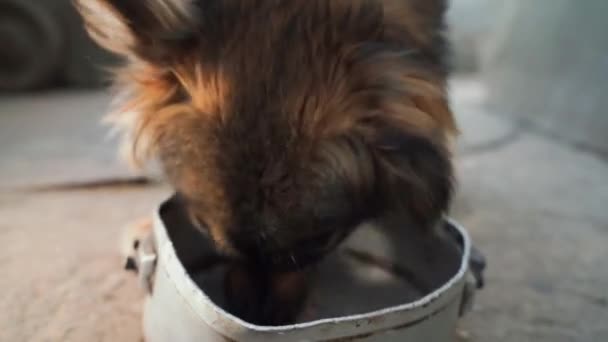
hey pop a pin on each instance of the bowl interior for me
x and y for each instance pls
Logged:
(375, 268)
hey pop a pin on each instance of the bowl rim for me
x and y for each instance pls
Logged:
(234, 327)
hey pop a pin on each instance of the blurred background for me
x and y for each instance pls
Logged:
(529, 90)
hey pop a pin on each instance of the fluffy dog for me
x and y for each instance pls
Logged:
(284, 124)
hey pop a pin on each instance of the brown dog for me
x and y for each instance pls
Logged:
(284, 124)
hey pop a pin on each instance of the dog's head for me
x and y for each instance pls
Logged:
(284, 124)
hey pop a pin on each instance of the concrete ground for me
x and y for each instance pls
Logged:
(536, 207)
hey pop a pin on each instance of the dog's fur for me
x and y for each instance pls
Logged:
(283, 124)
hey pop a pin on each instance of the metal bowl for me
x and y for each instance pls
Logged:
(381, 285)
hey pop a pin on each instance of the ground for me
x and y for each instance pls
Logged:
(535, 206)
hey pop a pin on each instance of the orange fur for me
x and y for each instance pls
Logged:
(256, 109)
(284, 124)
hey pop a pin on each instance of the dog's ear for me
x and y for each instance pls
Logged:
(145, 29)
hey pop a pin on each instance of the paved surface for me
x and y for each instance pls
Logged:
(536, 207)
(55, 138)
(61, 272)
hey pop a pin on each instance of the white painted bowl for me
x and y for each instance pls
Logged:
(351, 301)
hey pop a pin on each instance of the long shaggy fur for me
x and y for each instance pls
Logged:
(286, 123)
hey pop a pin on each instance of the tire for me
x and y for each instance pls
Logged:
(33, 44)
(86, 63)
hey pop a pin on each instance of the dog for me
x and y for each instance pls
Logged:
(282, 125)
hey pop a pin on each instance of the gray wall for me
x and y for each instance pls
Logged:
(547, 66)
(470, 24)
